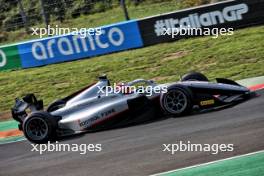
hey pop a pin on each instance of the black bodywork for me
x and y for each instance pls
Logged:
(223, 92)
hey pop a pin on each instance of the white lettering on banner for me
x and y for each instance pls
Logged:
(39, 47)
(235, 12)
(2, 59)
(100, 44)
(66, 46)
(50, 43)
(228, 14)
(120, 34)
(68, 50)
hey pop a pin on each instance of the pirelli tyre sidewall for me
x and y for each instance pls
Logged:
(40, 127)
(184, 104)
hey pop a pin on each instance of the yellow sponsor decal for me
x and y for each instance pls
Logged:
(207, 102)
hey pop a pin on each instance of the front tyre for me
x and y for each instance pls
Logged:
(194, 76)
(177, 101)
(40, 127)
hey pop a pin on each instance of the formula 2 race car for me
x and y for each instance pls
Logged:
(92, 109)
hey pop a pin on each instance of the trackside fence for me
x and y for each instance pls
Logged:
(130, 34)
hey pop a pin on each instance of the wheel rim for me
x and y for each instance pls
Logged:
(175, 101)
(36, 128)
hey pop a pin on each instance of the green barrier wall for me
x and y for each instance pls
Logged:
(9, 58)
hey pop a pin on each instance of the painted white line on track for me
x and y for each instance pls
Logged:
(9, 142)
(208, 163)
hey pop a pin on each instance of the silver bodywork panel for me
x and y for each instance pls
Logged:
(91, 107)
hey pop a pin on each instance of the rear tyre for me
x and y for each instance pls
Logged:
(194, 76)
(56, 105)
(177, 101)
(40, 127)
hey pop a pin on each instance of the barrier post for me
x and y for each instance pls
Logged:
(123, 5)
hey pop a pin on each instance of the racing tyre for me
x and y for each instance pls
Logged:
(177, 101)
(56, 105)
(40, 127)
(194, 76)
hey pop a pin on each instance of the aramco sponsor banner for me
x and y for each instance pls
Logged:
(9, 58)
(131, 34)
(116, 37)
(228, 14)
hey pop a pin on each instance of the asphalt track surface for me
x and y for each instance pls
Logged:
(137, 150)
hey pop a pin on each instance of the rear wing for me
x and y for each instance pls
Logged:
(28, 102)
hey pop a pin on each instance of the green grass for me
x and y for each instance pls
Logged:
(98, 19)
(236, 57)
